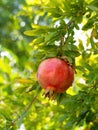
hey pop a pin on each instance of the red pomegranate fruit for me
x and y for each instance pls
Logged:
(55, 75)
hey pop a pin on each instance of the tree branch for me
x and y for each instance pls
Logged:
(12, 123)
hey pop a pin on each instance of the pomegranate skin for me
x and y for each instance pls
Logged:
(55, 75)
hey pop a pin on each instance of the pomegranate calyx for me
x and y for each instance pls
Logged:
(50, 94)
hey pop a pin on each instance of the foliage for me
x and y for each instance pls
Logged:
(57, 29)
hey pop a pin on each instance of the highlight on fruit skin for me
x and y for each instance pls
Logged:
(55, 76)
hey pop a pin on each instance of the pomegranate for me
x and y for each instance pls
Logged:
(55, 75)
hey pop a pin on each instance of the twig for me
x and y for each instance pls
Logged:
(28, 107)
(64, 39)
(12, 123)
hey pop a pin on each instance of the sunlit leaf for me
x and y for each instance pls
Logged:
(81, 47)
(37, 41)
(24, 81)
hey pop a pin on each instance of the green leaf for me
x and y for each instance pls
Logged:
(5, 114)
(24, 81)
(86, 55)
(82, 115)
(51, 37)
(94, 33)
(90, 117)
(81, 47)
(37, 41)
(71, 54)
(89, 24)
(60, 97)
(55, 12)
(36, 26)
(62, 118)
(88, 66)
(36, 32)
(81, 68)
(93, 7)
(21, 118)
